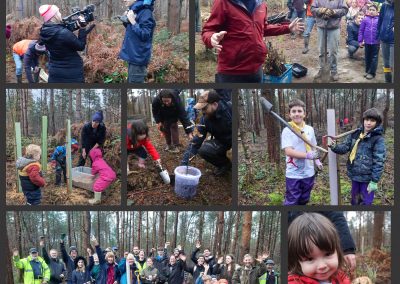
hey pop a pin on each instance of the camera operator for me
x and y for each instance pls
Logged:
(66, 65)
(137, 45)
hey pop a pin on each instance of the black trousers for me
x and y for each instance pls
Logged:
(215, 153)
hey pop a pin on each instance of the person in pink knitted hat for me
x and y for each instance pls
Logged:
(65, 64)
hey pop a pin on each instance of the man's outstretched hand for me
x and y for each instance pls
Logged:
(297, 26)
(216, 39)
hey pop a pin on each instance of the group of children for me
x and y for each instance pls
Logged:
(32, 180)
(365, 164)
(370, 25)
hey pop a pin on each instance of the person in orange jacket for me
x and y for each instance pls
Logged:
(27, 51)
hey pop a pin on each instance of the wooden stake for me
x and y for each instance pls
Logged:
(18, 150)
(44, 144)
(332, 162)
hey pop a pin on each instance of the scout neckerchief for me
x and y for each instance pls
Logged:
(354, 150)
(299, 129)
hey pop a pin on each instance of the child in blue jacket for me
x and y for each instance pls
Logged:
(367, 157)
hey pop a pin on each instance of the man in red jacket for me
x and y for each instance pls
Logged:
(236, 29)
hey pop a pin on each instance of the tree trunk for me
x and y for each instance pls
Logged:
(245, 139)
(201, 226)
(139, 231)
(161, 231)
(175, 238)
(260, 232)
(272, 131)
(52, 123)
(379, 217)
(236, 234)
(78, 106)
(386, 110)
(246, 234)
(174, 16)
(219, 233)
(87, 229)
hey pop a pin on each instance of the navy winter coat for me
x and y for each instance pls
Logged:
(56, 267)
(172, 113)
(386, 23)
(102, 277)
(352, 34)
(65, 65)
(137, 44)
(69, 263)
(31, 60)
(370, 158)
(90, 136)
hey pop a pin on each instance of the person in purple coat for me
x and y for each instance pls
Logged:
(367, 38)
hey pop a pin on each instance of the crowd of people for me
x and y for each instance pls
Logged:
(92, 140)
(62, 46)
(168, 109)
(136, 267)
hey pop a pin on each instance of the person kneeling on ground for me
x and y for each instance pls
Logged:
(167, 110)
(29, 51)
(216, 120)
(29, 171)
(138, 142)
(352, 35)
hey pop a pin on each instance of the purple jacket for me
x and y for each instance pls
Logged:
(368, 30)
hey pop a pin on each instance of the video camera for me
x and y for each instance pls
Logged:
(71, 21)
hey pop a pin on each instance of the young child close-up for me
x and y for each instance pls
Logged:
(367, 157)
(314, 252)
(300, 157)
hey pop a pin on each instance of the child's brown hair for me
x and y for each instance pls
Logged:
(297, 102)
(374, 114)
(307, 230)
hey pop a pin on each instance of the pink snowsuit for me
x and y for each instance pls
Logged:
(107, 175)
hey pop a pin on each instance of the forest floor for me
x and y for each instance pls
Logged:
(268, 187)
(58, 195)
(169, 62)
(349, 70)
(145, 186)
(376, 265)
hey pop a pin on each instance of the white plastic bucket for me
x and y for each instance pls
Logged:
(186, 181)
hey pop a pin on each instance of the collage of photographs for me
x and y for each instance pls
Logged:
(199, 142)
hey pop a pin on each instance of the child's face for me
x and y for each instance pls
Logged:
(297, 114)
(359, 19)
(320, 265)
(141, 137)
(369, 124)
(372, 11)
(354, 4)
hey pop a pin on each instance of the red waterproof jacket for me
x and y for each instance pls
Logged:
(339, 278)
(146, 144)
(243, 49)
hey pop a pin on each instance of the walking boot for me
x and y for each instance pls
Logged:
(19, 79)
(96, 199)
(388, 77)
(306, 42)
